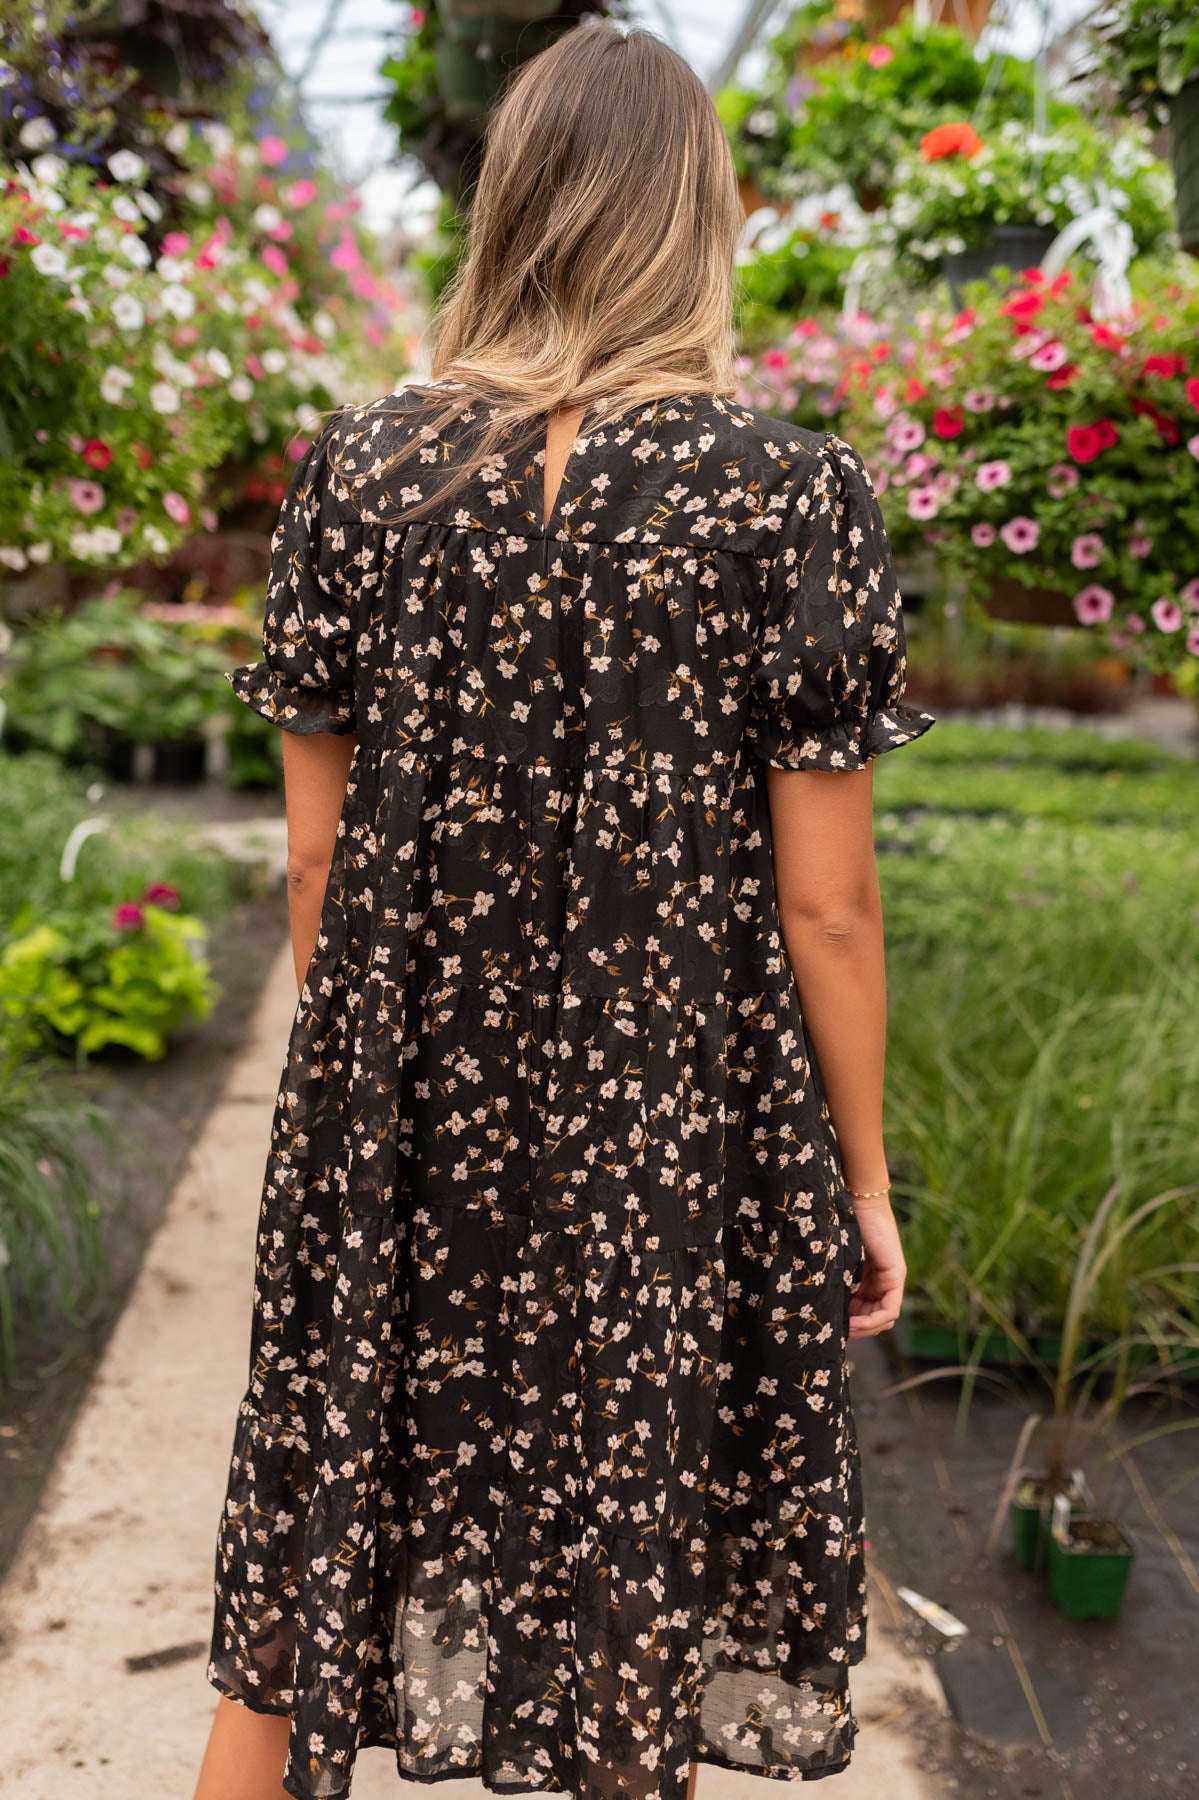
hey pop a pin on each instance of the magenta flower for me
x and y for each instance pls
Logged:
(1020, 534)
(273, 151)
(274, 259)
(1049, 357)
(177, 507)
(1061, 479)
(1086, 552)
(1140, 546)
(907, 434)
(346, 255)
(923, 503)
(161, 893)
(128, 916)
(993, 475)
(982, 534)
(1193, 641)
(1093, 605)
(1166, 614)
(978, 400)
(300, 193)
(86, 496)
(1190, 595)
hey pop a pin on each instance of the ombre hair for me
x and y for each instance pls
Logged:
(599, 264)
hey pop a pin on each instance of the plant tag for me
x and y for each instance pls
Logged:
(934, 1615)
(1061, 1518)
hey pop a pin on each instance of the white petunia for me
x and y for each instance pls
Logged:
(178, 139)
(48, 259)
(324, 326)
(171, 269)
(219, 363)
(48, 169)
(36, 134)
(307, 417)
(113, 383)
(154, 541)
(198, 192)
(178, 302)
(125, 209)
(218, 136)
(266, 218)
(136, 251)
(274, 362)
(12, 558)
(128, 312)
(241, 388)
(148, 206)
(164, 398)
(117, 277)
(40, 553)
(126, 165)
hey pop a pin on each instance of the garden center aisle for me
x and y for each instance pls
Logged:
(105, 1616)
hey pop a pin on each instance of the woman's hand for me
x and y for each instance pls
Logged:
(879, 1295)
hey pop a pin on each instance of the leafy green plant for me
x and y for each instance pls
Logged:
(1149, 49)
(51, 1262)
(88, 979)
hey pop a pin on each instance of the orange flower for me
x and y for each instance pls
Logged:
(950, 140)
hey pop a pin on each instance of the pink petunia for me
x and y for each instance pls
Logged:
(1193, 641)
(86, 496)
(208, 518)
(978, 400)
(879, 55)
(178, 509)
(1135, 624)
(1093, 605)
(1049, 357)
(1190, 595)
(1060, 480)
(128, 916)
(346, 254)
(907, 434)
(982, 534)
(273, 151)
(1020, 534)
(1086, 552)
(923, 503)
(161, 893)
(176, 243)
(919, 463)
(274, 259)
(1140, 546)
(1166, 614)
(1193, 446)
(299, 193)
(993, 475)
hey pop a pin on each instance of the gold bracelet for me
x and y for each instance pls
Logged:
(875, 1194)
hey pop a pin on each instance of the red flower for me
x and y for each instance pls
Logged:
(1023, 307)
(1062, 377)
(915, 390)
(950, 140)
(128, 916)
(1060, 283)
(1106, 433)
(160, 893)
(1105, 339)
(1167, 366)
(1032, 277)
(21, 236)
(144, 457)
(1082, 441)
(1167, 430)
(96, 454)
(948, 421)
(1192, 390)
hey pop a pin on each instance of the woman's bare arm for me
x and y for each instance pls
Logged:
(315, 771)
(831, 918)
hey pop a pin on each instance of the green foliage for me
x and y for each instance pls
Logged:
(78, 682)
(50, 1253)
(1149, 49)
(790, 270)
(89, 978)
(1043, 985)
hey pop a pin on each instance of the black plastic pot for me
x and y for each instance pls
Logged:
(1184, 154)
(1013, 247)
(181, 762)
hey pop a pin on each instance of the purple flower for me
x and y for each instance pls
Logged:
(993, 475)
(1086, 552)
(1061, 479)
(1093, 605)
(923, 503)
(982, 534)
(1020, 534)
(1166, 614)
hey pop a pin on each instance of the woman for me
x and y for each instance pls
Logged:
(546, 1471)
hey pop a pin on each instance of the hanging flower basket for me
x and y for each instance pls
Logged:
(1013, 247)
(1184, 122)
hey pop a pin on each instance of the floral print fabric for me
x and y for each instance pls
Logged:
(546, 1470)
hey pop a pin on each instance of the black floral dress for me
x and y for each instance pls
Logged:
(546, 1471)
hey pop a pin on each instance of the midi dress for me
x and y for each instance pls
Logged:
(546, 1470)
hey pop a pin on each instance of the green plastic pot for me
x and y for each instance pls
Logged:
(1087, 1580)
(1184, 154)
(1029, 1516)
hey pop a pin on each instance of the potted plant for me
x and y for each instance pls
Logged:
(1024, 439)
(1089, 1561)
(1149, 50)
(967, 204)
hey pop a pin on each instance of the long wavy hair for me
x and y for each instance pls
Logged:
(599, 264)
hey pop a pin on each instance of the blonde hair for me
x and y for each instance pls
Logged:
(599, 264)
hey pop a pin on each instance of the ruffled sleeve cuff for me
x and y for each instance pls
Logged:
(845, 746)
(304, 710)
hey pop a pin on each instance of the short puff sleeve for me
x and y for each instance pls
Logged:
(305, 680)
(828, 669)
